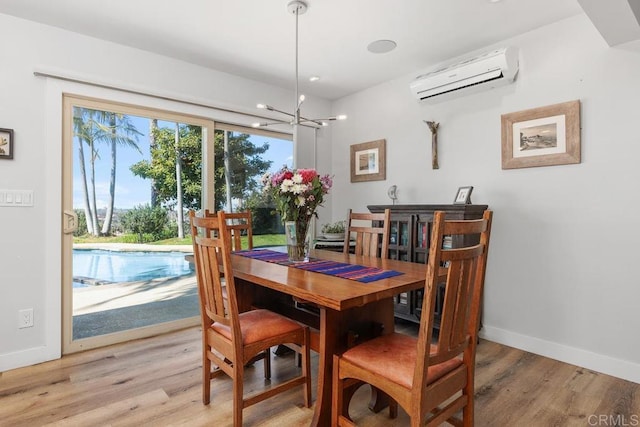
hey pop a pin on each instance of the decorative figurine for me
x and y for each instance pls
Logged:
(392, 192)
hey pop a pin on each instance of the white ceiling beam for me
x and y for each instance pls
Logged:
(618, 21)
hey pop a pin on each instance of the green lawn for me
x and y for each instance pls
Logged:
(258, 240)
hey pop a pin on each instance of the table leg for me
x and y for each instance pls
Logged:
(378, 400)
(245, 294)
(334, 326)
(329, 325)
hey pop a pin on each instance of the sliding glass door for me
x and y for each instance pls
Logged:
(130, 175)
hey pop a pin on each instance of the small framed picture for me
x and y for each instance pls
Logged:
(6, 143)
(368, 161)
(463, 197)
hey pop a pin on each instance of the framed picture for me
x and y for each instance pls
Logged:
(544, 136)
(6, 143)
(368, 161)
(463, 196)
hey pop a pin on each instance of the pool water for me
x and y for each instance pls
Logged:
(115, 266)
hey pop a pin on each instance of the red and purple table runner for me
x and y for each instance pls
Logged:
(359, 273)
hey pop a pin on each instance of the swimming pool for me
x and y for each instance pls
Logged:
(127, 266)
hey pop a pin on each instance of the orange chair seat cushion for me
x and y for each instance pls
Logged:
(258, 325)
(393, 357)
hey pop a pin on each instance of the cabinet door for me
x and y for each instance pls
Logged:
(401, 237)
(422, 238)
(414, 246)
(402, 306)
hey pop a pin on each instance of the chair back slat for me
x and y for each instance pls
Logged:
(211, 248)
(456, 311)
(239, 224)
(371, 233)
(460, 315)
(211, 288)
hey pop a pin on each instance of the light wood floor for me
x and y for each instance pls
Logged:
(156, 381)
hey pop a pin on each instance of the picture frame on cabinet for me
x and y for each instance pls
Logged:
(368, 161)
(544, 136)
(6, 144)
(463, 196)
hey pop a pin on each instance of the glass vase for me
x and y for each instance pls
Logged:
(297, 245)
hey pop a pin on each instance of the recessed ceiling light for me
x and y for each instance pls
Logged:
(494, 1)
(381, 46)
(314, 78)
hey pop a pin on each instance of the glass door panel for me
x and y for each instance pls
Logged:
(130, 175)
(241, 160)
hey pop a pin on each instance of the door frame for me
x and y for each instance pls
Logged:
(69, 101)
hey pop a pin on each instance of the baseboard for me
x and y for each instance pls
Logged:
(596, 362)
(27, 357)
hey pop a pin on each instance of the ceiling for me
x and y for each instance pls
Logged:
(255, 38)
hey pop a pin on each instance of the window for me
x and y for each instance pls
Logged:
(242, 157)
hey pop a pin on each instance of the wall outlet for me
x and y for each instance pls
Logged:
(25, 318)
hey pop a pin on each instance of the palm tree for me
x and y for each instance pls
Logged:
(93, 127)
(179, 195)
(153, 127)
(121, 132)
(83, 130)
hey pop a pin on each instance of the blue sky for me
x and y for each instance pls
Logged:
(132, 190)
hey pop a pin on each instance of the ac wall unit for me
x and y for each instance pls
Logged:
(486, 70)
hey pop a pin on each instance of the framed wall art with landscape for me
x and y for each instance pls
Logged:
(544, 136)
(368, 161)
(6, 143)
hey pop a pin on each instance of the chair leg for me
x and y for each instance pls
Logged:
(206, 378)
(267, 363)
(304, 357)
(238, 402)
(337, 393)
(467, 411)
(417, 420)
(393, 409)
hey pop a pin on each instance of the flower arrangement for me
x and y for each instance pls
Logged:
(298, 192)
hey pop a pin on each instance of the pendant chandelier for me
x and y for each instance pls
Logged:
(297, 8)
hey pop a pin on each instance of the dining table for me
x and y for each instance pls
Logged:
(343, 311)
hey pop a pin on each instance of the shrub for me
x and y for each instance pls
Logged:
(81, 230)
(144, 219)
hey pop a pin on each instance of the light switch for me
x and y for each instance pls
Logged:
(16, 198)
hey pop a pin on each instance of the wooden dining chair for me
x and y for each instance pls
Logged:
(432, 382)
(371, 232)
(242, 224)
(239, 224)
(231, 339)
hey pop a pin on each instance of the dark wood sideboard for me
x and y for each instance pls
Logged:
(409, 241)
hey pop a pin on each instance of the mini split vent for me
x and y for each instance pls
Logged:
(488, 70)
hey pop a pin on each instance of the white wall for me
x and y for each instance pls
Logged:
(561, 279)
(30, 238)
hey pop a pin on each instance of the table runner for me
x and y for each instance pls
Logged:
(359, 273)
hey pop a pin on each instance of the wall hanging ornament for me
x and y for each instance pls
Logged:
(433, 127)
